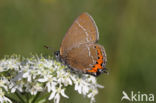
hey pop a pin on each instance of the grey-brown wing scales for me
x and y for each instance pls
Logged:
(83, 30)
(83, 57)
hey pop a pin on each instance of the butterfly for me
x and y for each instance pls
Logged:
(79, 49)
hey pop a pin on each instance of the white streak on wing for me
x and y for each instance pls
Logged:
(83, 30)
(97, 32)
(89, 54)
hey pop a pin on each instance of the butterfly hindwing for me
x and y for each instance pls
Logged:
(85, 57)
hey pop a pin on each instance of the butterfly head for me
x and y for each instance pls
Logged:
(57, 55)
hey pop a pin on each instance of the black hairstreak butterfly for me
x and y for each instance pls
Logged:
(79, 49)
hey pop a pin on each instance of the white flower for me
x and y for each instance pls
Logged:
(35, 88)
(56, 94)
(16, 86)
(27, 75)
(30, 73)
(64, 77)
(3, 83)
(81, 86)
(47, 63)
(92, 95)
(51, 81)
(1, 68)
(4, 99)
(10, 63)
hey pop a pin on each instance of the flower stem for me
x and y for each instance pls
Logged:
(20, 97)
(35, 98)
(12, 99)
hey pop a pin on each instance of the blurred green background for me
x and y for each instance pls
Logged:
(127, 30)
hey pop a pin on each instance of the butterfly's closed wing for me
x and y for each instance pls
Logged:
(83, 30)
(79, 49)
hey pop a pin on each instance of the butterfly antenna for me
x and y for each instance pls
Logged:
(49, 48)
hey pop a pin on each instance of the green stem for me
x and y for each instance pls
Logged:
(27, 97)
(35, 98)
(18, 95)
(12, 99)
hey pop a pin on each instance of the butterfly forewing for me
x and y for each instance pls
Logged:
(83, 30)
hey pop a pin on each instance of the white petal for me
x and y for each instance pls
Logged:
(85, 90)
(69, 80)
(5, 87)
(53, 84)
(79, 89)
(76, 86)
(29, 78)
(7, 100)
(63, 94)
(42, 80)
(48, 86)
(57, 98)
(52, 95)
(100, 86)
(89, 95)
(13, 90)
(25, 75)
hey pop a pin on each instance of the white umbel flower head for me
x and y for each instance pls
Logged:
(39, 74)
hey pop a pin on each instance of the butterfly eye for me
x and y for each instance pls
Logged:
(57, 54)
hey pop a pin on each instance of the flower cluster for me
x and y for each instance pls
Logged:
(38, 74)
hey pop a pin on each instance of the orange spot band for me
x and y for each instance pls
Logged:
(99, 61)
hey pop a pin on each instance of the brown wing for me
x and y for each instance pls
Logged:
(83, 30)
(84, 57)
